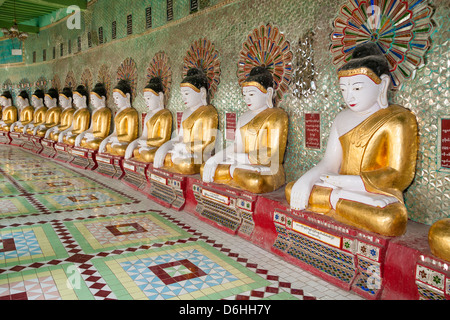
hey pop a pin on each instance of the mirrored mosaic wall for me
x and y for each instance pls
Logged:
(306, 24)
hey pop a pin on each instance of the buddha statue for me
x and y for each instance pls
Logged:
(101, 120)
(254, 161)
(157, 125)
(439, 239)
(66, 103)
(9, 112)
(81, 117)
(53, 114)
(371, 153)
(126, 122)
(40, 110)
(196, 138)
(26, 112)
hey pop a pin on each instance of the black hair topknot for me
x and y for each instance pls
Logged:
(370, 56)
(197, 78)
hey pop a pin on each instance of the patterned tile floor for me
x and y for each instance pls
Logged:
(71, 234)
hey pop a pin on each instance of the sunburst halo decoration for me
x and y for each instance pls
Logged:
(87, 79)
(70, 81)
(128, 71)
(267, 47)
(160, 67)
(400, 28)
(56, 82)
(203, 55)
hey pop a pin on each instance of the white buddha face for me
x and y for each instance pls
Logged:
(192, 98)
(49, 101)
(35, 101)
(64, 101)
(360, 93)
(21, 102)
(120, 100)
(79, 101)
(255, 98)
(96, 101)
(152, 100)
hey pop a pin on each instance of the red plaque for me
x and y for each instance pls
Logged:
(179, 118)
(312, 130)
(445, 143)
(230, 125)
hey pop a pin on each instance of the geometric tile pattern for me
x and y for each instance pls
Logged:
(110, 255)
(107, 233)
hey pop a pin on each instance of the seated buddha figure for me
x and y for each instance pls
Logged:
(157, 125)
(101, 120)
(439, 239)
(254, 161)
(40, 110)
(81, 117)
(9, 112)
(26, 112)
(196, 137)
(53, 114)
(66, 103)
(371, 153)
(126, 122)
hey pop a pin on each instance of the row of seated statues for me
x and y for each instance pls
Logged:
(369, 160)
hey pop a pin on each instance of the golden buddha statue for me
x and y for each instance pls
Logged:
(40, 110)
(157, 125)
(439, 239)
(9, 112)
(68, 110)
(53, 114)
(195, 141)
(101, 121)
(371, 153)
(126, 122)
(81, 117)
(254, 161)
(26, 112)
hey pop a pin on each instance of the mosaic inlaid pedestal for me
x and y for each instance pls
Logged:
(167, 188)
(227, 208)
(48, 148)
(17, 139)
(347, 257)
(63, 152)
(84, 158)
(135, 174)
(110, 166)
(4, 137)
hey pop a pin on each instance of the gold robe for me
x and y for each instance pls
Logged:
(127, 128)
(9, 116)
(52, 118)
(80, 122)
(101, 120)
(382, 150)
(159, 130)
(26, 117)
(66, 122)
(264, 139)
(199, 135)
(38, 118)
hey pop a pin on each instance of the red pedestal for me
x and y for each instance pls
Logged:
(109, 165)
(166, 188)
(17, 139)
(63, 152)
(48, 148)
(229, 209)
(135, 174)
(4, 137)
(84, 158)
